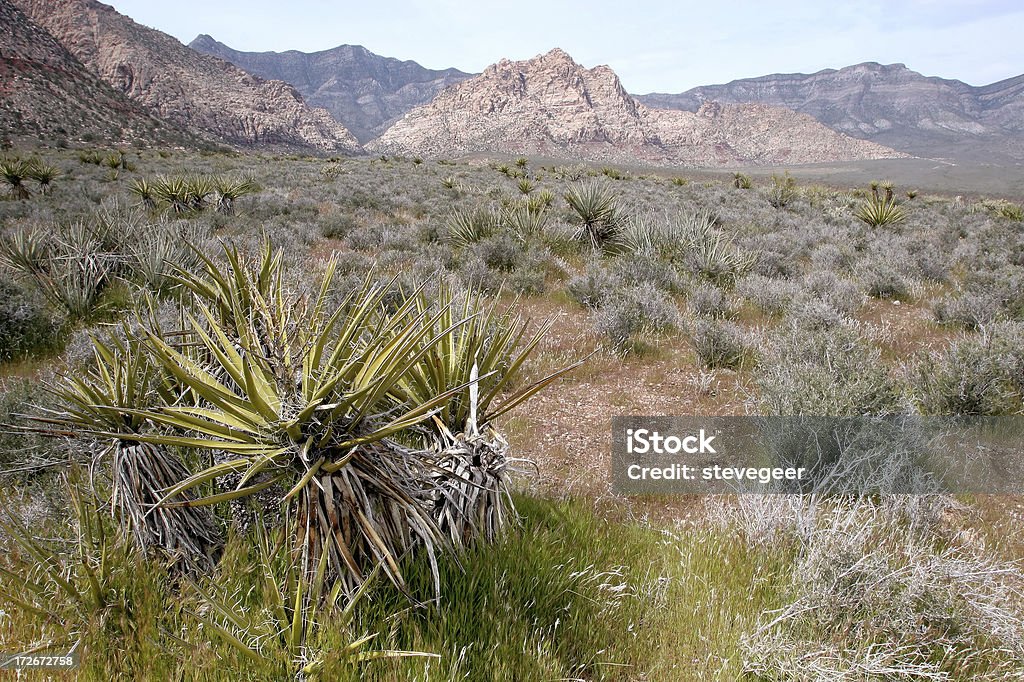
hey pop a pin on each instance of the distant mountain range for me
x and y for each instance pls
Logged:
(207, 96)
(551, 105)
(47, 93)
(888, 104)
(71, 69)
(362, 90)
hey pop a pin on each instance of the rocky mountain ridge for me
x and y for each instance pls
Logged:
(551, 105)
(46, 93)
(197, 92)
(889, 104)
(362, 90)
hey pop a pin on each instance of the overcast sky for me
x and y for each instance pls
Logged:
(653, 46)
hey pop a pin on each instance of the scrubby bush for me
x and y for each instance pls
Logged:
(772, 296)
(594, 287)
(822, 366)
(721, 344)
(25, 325)
(707, 300)
(633, 311)
(979, 374)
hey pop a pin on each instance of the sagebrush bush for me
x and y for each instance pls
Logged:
(721, 344)
(594, 287)
(978, 374)
(810, 368)
(26, 326)
(707, 300)
(772, 296)
(632, 311)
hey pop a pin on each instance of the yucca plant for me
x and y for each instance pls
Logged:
(294, 398)
(741, 181)
(230, 190)
(524, 220)
(69, 268)
(468, 227)
(597, 213)
(146, 191)
(175, 191)
(200, 187)
(526, 186)
(14, 172)
(299, 629)
(783, 190)
(106, 404)
(881, 208)
(27, 251)
(43, 173)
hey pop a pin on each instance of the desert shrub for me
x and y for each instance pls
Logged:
(833, 257)
(501, 261)
(635, 269)
(782, 192)
(882, 278)
(811, 368)
(707, 300)
(26, 327)
(979, 374)
(631, 312)
(968, 309)
(337, 225)
(772, 296)
(874, 598)
(721, 344)
(841, 294)
(594, 287)
(1012, 212)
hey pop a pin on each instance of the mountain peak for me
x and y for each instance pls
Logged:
(364, 91)
(177, 84)
(551, 105)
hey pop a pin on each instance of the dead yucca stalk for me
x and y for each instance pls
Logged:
(479, 364)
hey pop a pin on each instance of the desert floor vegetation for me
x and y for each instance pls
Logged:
(274, 417)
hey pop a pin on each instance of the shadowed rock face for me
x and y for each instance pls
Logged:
(889, 104)
(552, 105)
(198, 92)
(45, 92)
(362, 90)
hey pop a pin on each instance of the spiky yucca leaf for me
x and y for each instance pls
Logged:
(298, 397)
(597, 212)
(879, 211)
(107, 402)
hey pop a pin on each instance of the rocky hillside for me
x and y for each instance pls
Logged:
(46, 93)
(195, 91)
(551, 105)
(888, 104)
(364, 91)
